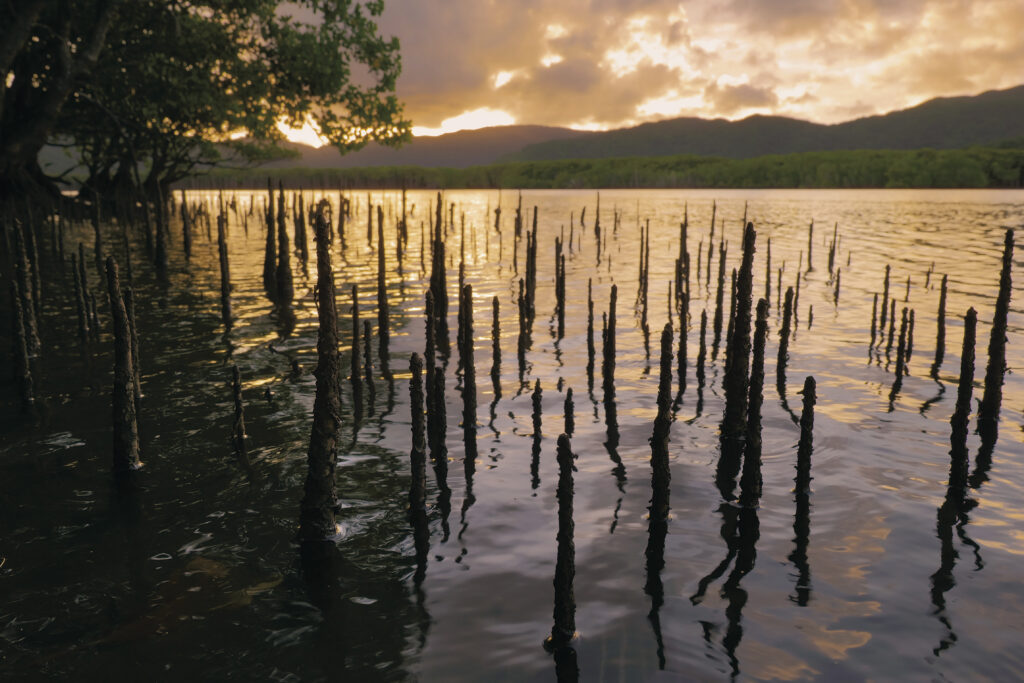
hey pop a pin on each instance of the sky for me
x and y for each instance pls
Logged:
(600, 64)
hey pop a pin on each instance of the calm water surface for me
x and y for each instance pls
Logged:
(197, 574)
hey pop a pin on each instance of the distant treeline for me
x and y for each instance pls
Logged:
(965, 168)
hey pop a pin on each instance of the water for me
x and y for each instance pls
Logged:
(197, 574)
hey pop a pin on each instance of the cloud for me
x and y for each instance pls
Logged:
(732, 98)
(577, 92)
(452, 52)
(603, 62)
(787, 20)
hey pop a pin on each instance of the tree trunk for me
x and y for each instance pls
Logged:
(23, 131)
(316, 518)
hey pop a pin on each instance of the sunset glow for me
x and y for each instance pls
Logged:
(307, 135)
(470, 120)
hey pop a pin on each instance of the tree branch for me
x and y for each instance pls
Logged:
(41, 121)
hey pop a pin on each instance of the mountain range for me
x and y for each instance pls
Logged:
(986, 119)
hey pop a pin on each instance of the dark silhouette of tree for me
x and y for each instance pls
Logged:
(148, 92)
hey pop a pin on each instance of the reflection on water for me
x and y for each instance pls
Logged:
(201, 552)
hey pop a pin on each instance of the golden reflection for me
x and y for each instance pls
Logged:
(1006, 547)
(762, 661)
(836, 643)
(854, 554)
(982, 521)
(1006, 510)
(838, 608)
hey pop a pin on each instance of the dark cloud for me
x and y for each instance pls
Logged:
(805, 98)
(780, 17)
(730, 99)
(582, 93)
(676, 34)
(571, 77)
(939, 71)
(813, 18)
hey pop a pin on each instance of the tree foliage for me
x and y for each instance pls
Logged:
(174, 84)
(47, 48)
